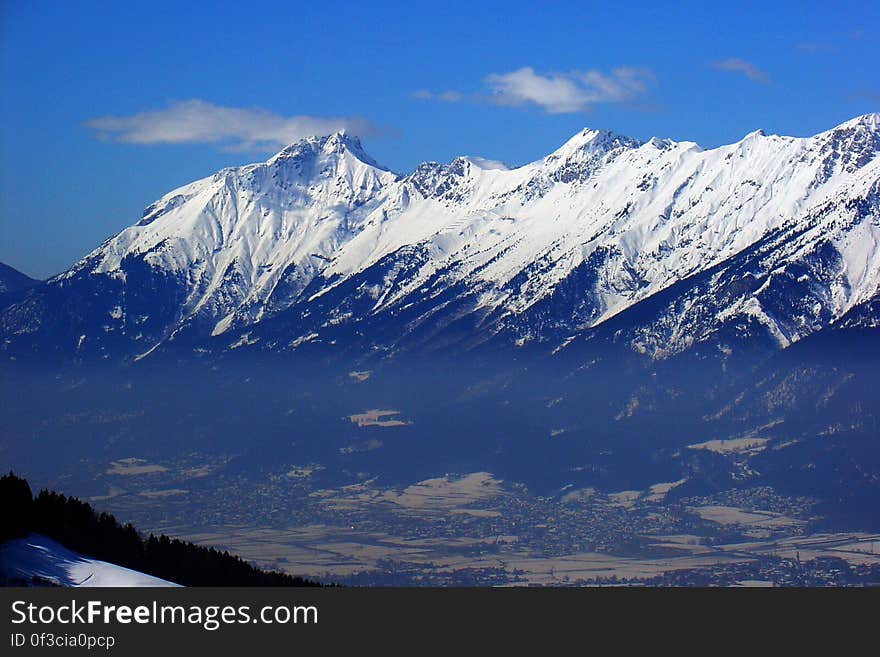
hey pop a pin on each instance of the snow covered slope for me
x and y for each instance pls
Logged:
(38, 559)
(772, 232)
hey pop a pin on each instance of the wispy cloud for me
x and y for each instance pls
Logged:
(556, 93)
(445, 96)
(736, 65)
(814, 46)
(865, 94)
(200, 122)
(834, 42)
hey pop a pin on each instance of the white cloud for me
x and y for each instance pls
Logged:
(555, 93)
(561, 93)
(197, 121)
(748, 69)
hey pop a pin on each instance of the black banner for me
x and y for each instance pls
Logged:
(415, 621)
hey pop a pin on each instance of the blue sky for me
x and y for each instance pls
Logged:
(104, 109)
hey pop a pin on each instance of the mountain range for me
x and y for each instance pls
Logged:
(614, 315)
(661, 247)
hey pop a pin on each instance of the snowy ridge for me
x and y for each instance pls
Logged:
(604, 219)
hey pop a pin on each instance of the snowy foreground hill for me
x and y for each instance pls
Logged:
(39, 560)
(766, 241)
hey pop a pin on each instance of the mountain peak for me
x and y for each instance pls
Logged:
(341, 139)
(12, 280)
(335, 144)
(593, 140)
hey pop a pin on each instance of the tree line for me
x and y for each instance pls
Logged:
(79, 527)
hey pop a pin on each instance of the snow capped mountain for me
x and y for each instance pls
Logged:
(773, 236)
(231, 237)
